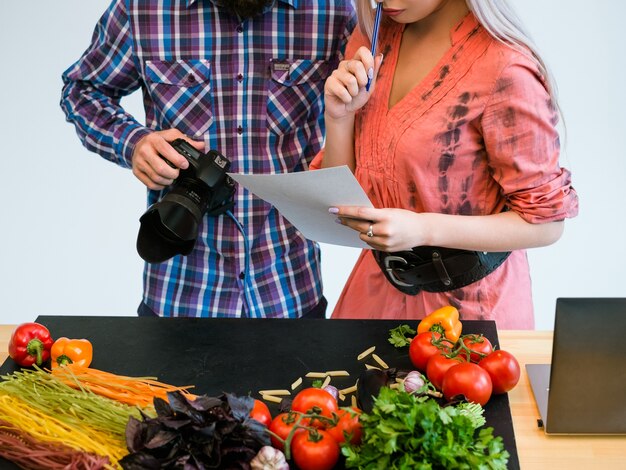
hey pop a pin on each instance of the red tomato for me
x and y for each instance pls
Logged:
(480, 344)
(314, 450)
(467, 379)
(261, 413)
(503, 369)
(348, 424)
(421, 348)
(437, 365)
(282, 425)
(315, 400)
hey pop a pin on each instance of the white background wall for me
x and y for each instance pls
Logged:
(69, 219)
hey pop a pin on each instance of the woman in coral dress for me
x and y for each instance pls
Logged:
(456, 146)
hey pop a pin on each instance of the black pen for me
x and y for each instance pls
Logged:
(379, 9)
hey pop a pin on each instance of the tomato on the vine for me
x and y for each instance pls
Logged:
(282, 425)
(314, 450)
(348, 424)
(503, 369)
(467, 379)
(261, 413)
(421, 348)
(438, 364)
(479, 346)
(315, 400)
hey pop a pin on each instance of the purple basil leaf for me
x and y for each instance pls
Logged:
(240, 406)
(206, 431)
(204, 403)
(174, 423)
(160, 439)
(180, 404)
(285, 405)
(134, 434)
(162, 407)
(139, 461)
(258, 432)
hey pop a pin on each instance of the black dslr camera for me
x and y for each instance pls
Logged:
(170, 226)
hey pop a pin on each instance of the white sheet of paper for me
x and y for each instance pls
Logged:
(303, 198)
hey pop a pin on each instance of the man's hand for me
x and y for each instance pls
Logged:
(148, 164)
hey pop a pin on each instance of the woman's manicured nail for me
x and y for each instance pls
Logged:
(333, 210)
(370, 73)
(339, 221)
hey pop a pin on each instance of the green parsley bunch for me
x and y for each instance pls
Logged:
(408, 432)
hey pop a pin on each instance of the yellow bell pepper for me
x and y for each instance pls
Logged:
(445, 321)
(71, 351)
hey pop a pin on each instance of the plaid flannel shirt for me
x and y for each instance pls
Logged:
(253, 90)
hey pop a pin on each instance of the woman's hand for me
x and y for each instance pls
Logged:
(344, 91)
(384, 229)
(401, 229)
(150, 155)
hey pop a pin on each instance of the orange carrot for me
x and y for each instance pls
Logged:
(139, 391)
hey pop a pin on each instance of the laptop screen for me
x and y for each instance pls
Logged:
(588, 374)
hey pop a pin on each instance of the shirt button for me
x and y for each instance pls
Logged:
(239, 77)
(242, 275)
(239, 130)
(191, 78)
(239, 28)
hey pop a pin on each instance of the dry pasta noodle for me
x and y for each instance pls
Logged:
(74, 407)
(348, 390)
(43, 427)
(315, 375)
(272, 398)
(275, 392)
(366, 353)
(296, 383)
(338, 373)
(27, 452)
(368, 366)
(326, 381)
(382, 363)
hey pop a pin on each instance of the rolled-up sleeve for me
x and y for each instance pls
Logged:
(523, 148)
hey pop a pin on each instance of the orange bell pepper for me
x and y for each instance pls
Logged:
(71, 351)
(445, 321)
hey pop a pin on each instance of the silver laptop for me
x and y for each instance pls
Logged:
(583, 391)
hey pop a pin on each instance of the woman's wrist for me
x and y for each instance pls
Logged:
(422, 233)
(339, 121)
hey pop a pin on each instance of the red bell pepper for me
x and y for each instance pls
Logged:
(30, 344)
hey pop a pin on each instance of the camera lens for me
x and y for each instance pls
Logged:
(170, 227)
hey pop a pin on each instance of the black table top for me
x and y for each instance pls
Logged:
(244, 356)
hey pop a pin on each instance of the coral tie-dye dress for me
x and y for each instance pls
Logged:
(477, 136)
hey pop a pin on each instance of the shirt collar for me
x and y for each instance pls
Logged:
(464, 27)
(293, 3)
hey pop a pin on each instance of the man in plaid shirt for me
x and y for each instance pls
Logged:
(245, 78)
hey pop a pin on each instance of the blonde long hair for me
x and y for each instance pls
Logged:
(498, 18)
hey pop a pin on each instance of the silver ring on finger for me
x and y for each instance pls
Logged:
(370, 231)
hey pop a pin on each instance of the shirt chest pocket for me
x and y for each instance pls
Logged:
(295, 94)
(181, 91)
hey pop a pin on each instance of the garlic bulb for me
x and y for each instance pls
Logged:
(413, 381)
(269, 458)
(333, 391)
